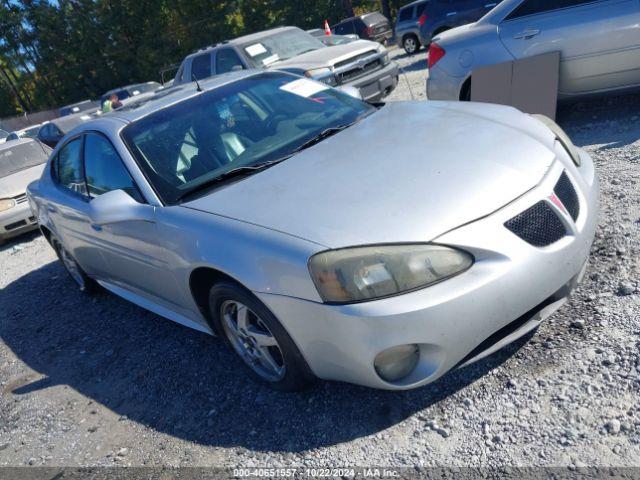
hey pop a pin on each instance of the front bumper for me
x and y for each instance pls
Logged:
(510, 289)
(377, 85)
(16, 221)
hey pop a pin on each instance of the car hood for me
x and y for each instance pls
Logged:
(16, 184)
(407, 173)
(327, 56)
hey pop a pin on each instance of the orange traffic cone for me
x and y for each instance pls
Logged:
(327, 30)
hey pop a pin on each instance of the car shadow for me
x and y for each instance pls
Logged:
(609, 121)
(18, 243)
(185, 383)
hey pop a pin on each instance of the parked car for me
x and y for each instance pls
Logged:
(83, 106)
(370, 26)
(125, 93)
(3, 135)
(333, 40)
(21, 162)
(361, 64)
(421, 20)
(318, 234)
(597, 40)
(29, 132)
(51, 133)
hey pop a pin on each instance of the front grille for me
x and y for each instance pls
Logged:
(21, 198)
(567, 194)
(538, 225)
(358, 66)
(13, 226)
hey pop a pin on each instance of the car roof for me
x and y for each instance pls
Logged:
(413, 4)
(15, 143)
(170, 96)
(69, 122)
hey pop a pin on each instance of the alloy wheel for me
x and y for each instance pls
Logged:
(410, 45)
(72, 267)
(252, 340)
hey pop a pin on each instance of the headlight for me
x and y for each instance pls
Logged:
(6, 204)
(324, 75)
(365, 273)
(561, 136)
(385, 58)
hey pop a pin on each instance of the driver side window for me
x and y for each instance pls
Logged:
(104, 169)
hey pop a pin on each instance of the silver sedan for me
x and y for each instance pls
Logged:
(599, 44)
(317, 234)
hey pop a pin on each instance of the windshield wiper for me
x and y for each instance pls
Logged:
(322, 135)
(236, 172)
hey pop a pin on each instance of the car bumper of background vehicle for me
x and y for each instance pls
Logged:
(442, 86)
(378, 84)
(511, 288)
(17, 220)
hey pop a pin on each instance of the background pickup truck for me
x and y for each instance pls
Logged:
(362, 64)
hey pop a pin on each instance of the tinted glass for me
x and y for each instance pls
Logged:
(533, 7)
(104, 168)
(281, 46)
(201, 67)
(420, 9)
(374, 18)
(405, 14)
(3, 134)
(20, 157)
(69, 167)
(250, 121)
(226, 60)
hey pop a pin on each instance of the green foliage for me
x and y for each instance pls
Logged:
(59, 52)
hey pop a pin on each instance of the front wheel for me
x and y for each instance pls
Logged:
(411, 44)
(258, 338)
(84, 283)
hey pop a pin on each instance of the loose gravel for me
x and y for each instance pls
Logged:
(90, 381)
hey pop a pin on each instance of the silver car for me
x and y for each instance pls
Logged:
(598, 41)
(317, 234)
(21, 162)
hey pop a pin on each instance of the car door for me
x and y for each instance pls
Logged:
(599, 41)
(135, 255)
(68, 208)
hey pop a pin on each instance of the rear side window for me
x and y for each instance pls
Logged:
(534, 7)
(344, 28)
(201, 67)
(420, 9)
(226, 60)
(405, 14)
(69, 167)
(104, 169)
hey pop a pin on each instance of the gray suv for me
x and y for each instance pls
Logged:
(420, 21)
(361, 64)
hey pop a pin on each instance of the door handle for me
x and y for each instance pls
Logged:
(95, 227)
(526, 35)
(490, 5)
(451, 14)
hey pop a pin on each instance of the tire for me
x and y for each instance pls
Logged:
(250, 329)
(465, 91)
(411, 44)
(73, 269)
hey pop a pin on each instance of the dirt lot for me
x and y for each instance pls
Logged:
(97, 381)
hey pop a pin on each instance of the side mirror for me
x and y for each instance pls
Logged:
(352, 91)
(117, 206)
(237, 68)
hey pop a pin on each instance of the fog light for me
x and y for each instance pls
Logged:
(396, 363)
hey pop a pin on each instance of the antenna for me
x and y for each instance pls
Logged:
(198, 87)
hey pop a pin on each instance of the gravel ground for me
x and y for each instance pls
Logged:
(98, 381)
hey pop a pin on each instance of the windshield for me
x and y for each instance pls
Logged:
(21, 157)
(281, 46)
(248, 122)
